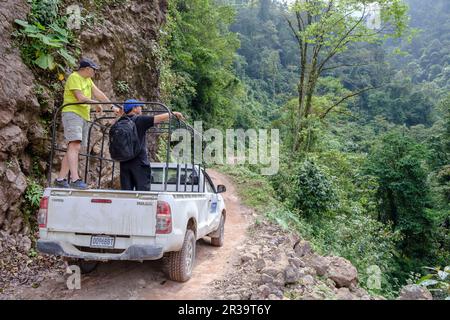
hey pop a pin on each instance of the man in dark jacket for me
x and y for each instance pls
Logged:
(135, 173)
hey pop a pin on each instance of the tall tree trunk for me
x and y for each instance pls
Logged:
(297, 125)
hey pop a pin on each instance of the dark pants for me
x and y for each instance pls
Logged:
(134, 176)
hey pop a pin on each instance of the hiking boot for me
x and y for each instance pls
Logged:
(78, 184)
(61, 183)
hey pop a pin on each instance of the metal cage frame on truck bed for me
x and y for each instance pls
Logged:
(149, 108)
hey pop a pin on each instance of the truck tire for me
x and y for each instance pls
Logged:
(181, 263)
(218, 241)
(85, 266)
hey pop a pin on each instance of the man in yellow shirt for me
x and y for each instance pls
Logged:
(79, 88)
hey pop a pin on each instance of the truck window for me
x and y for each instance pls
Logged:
(158, 176)
(209, 187)
(189, 175)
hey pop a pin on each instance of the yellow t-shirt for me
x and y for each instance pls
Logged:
(77, 82)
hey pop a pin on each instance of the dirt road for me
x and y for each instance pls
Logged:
(134, 280)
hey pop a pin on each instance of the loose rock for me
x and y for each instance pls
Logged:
(415, 292)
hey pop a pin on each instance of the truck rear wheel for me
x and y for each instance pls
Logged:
(181, 263)
(85, 266)
(218, 241)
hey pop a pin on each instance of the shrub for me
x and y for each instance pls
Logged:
(44, 38)
(312, 192)
(33, 195)
(438, 282)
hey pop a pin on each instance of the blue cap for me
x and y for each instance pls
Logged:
(84, 63)
(130, 104)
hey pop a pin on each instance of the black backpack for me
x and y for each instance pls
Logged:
(124, 143)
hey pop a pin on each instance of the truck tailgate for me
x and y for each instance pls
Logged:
(97, 212)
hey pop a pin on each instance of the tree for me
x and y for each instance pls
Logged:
(312, 192)
(401, 103)
(403, 192)
(323, 30)
(200, 53)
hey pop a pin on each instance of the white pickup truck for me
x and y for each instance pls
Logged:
(88, 226)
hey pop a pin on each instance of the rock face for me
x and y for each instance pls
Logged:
(415, 292)
(18, 115)
(123, 40)
(125, 44)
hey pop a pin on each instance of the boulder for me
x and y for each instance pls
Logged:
(264, 291)
(296, 262)
(291, 275)
(342, 272)
(309, 270)
(12, 140)
(307, 280)
(344, 294)
(271, 271)
(302, 248)
(359, 292)
(318, 263)
(415, 292)
(247, 257)
(279, 281)
(265, 278)
(260, 264)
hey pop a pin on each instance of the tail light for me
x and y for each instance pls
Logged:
(42, 214)
(101, 201)
(163, 218)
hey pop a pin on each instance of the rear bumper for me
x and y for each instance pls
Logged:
(134, 252)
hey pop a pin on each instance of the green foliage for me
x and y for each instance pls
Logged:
(122, 87)
(428, 54)
(255, 190)
(45, 41)
(353, 235)
(268, 58)
(401, 103)
(404, 197)
(198, 75)
(438, 282)
(312, 193)
(33, 194)
(326, 29)
(44, 12)
(362, 240)
(373, 174)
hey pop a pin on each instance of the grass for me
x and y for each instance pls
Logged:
(257, 192)
(254, 190)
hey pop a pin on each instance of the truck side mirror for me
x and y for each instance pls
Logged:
(221, 188)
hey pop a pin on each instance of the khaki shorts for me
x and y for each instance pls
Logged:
(75, 128)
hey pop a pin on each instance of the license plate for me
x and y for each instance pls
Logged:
(102, 242)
